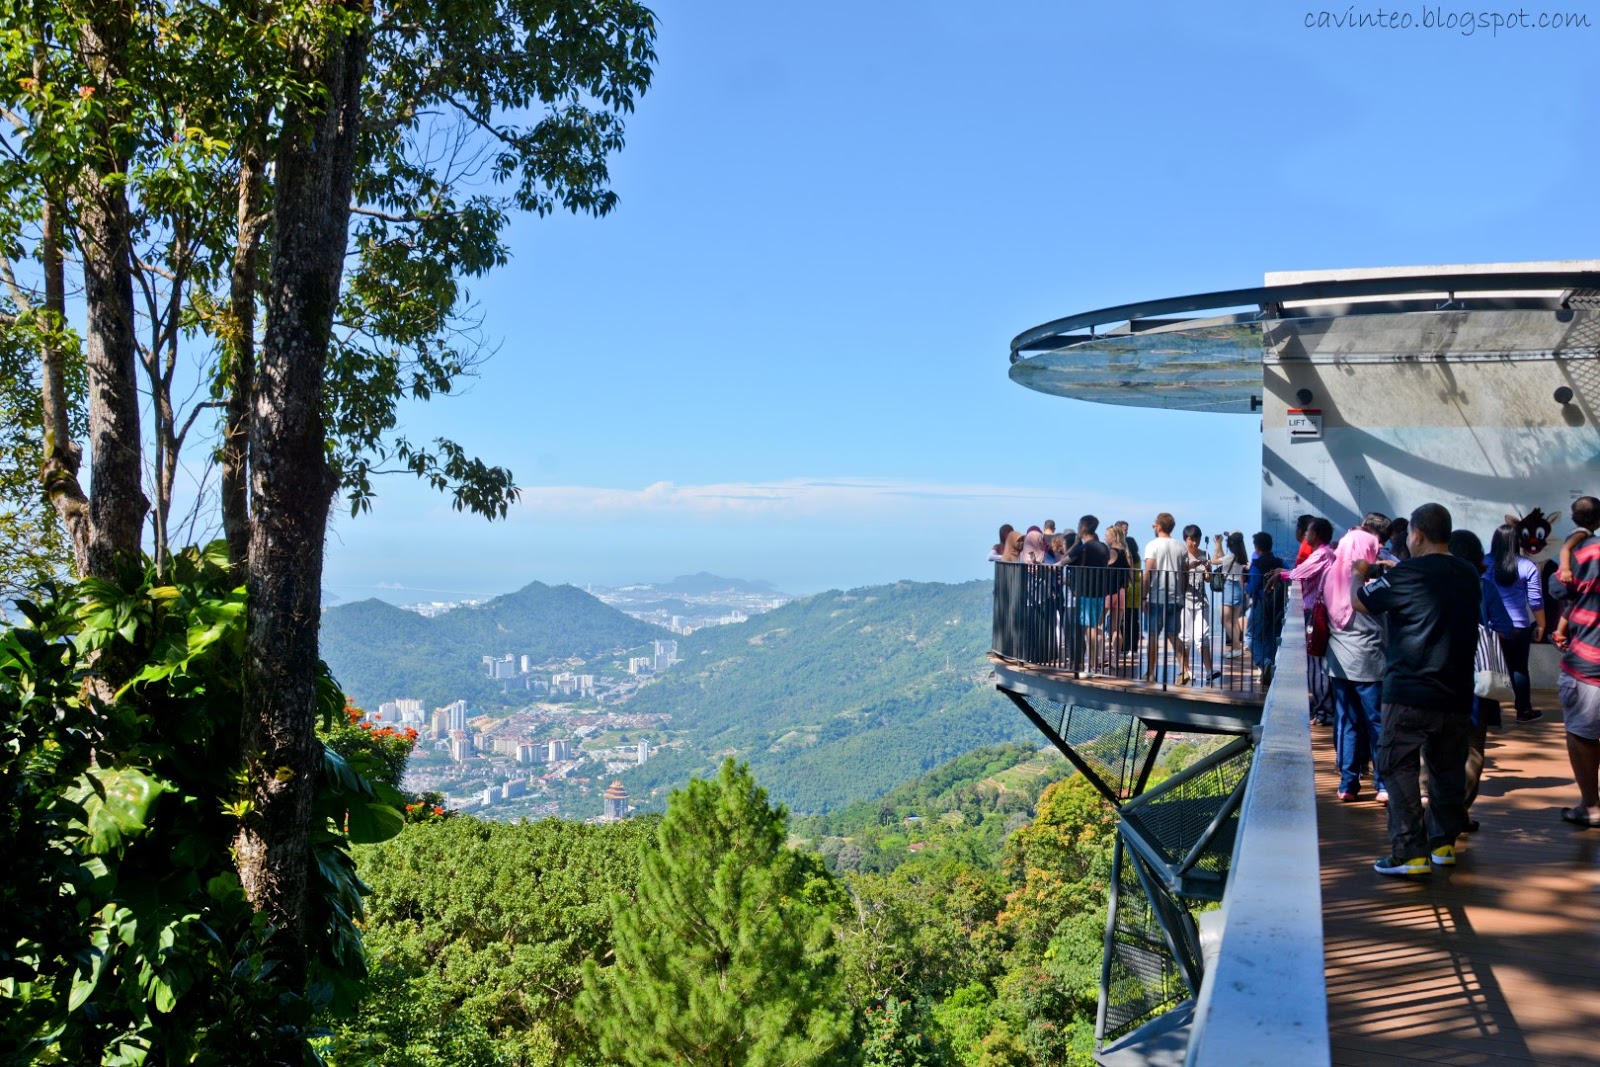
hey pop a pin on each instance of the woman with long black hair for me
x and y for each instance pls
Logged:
(1516, 578)
(1230, 558)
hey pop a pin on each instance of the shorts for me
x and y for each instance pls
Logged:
(1232, 594)
(1580, 707)
(1165, 617)
(1090, 608)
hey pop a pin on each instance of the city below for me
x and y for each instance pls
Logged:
(561, 750)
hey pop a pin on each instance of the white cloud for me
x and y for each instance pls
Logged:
(818, 498)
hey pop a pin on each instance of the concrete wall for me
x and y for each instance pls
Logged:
(1450, 406)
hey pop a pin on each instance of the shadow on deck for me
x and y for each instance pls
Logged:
(1493, 961)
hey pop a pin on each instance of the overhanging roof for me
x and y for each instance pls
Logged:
(1148, 354)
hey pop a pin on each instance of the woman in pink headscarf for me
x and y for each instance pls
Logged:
(1034, 549)
(1355, 662)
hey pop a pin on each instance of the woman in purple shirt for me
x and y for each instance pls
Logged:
(1516, 579)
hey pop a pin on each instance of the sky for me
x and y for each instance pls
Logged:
(784, 355)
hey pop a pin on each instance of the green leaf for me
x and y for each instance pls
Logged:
(115, 803)
(372, 822)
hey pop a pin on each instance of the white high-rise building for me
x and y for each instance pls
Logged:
(559, 752)
(458, 714)
(666, 654)
(644, 751)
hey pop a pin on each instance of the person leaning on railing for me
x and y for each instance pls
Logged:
(998, 552)
(1310, 572)
(1266, 606)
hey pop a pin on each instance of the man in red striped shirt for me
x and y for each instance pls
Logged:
(1580, 666)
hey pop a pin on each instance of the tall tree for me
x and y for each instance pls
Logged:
(303, 112)
(726, 957)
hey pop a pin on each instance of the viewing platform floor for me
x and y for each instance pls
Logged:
(1494, 961)
(1230, 705)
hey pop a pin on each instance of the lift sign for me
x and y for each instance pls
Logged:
(1305, 424)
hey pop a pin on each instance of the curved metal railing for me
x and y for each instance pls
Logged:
(1175, 630)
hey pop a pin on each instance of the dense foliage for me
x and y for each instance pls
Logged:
(478, 933)
(125, 935)
(380, 652)
(980, 948)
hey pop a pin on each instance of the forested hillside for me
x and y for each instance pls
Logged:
(967, 912)
(380, 652)
(837, 697)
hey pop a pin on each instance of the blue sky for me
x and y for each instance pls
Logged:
(784, 355)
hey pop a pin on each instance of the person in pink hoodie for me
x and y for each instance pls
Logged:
(1312, 573)
(1355, 662)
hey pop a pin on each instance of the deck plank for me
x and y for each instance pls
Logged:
(1494, 961)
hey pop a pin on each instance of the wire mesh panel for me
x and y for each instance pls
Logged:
(1176, 815)
(1112, 744)
(1142, 977)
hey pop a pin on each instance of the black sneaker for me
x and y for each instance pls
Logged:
(1533, 716)
(1411, 868)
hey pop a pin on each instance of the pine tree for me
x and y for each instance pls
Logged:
(725, 956)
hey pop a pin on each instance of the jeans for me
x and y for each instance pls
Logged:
(1266, 626)
(1515, 645)
(1357, 726)
(1438, 737)
(1317, 679)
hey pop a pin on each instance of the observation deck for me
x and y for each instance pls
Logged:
(1477, 386)
(1312, 958)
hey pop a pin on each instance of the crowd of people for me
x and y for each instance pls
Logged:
(1402, 616)
(1164, 601)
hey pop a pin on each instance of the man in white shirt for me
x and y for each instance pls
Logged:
(1164, 566)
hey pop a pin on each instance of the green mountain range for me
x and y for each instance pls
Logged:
(379, 652)
(834, 698)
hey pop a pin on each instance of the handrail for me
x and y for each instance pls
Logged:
(1264, 998)
(1109, 623)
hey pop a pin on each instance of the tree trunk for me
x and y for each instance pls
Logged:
(62, 455)
(117, 504)
(292, 489)
(241, 348)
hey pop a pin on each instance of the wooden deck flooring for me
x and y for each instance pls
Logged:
(1496, 961)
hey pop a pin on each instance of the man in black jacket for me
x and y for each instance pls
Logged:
(1431, 601)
